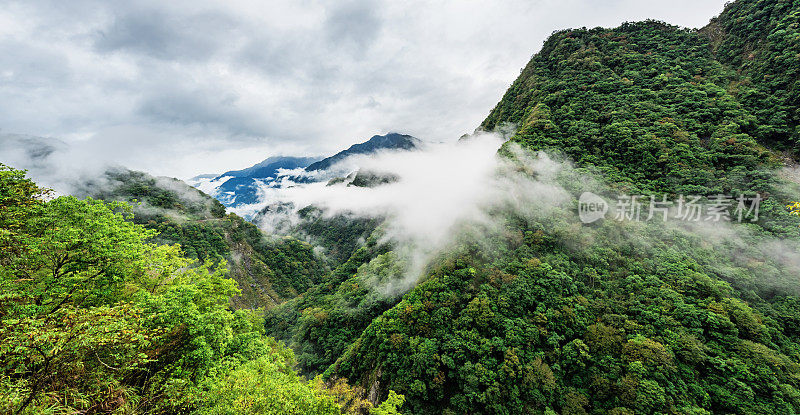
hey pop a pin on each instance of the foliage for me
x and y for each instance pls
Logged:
(96, 319)
(761, 40)
(322, 323)
(586, 321)
(608, 318)
(645, 104)
(794, 208)
(268, 270)
(340, 235)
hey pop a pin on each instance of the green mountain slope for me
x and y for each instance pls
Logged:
(612, 318)
(96, 319)
(338, 236)
(761, 41)
(583, 321)
(323, 322)
(268, 269)
(645, 103)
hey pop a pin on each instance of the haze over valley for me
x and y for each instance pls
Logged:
(392, 208)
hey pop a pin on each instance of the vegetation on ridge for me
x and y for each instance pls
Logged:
(95, 319)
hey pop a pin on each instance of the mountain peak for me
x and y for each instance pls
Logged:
(270, 166)
(390, 141)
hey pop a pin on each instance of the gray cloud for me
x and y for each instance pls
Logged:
(201, 107)
(31, 67)
(354, 24)
(279, 56)
(166, 36)
(187, 87)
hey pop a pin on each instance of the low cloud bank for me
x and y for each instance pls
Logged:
(432, 195)
(52, 163)
(442, 193)
(445, 192)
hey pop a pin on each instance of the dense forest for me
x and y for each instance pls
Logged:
(269, 270)
(96, 318)
(144, 296)
(613, 318)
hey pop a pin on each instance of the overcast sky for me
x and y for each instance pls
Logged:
(181, 88)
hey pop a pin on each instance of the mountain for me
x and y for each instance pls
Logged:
(34, 150)
(37, 154)
(391, 141)
(342, 234)
(239, 188)
(339, 235)
(268, 269)
(656, 112)
(759, 40)
(269, 167)
(552, 317)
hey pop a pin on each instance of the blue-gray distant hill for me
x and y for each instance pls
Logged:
(391, 141)
(242, 186)
(270, 167)
(238, 188)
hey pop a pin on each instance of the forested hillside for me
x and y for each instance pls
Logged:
(645, 103)
(94, 318)
(146, 297)
(268, 269)
(549, 316)
(761, 41)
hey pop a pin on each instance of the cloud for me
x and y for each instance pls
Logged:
(170, 37)
(49, 162)
(202, 107)
(353, 24)
(196, 79)
(437, 194)
(445, 194)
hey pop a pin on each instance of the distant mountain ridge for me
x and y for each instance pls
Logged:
(237, 188)
(240, 187)
(270, 167)
(391, 141)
